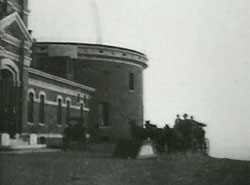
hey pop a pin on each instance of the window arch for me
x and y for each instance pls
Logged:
(68, 99)
(42, 93)
(59, 97)
(31, 91)
(12, 67)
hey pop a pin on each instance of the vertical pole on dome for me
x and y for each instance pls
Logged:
(97, 22)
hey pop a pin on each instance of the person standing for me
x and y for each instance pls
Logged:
(177, 121)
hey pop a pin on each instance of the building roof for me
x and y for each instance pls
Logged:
(59, 79)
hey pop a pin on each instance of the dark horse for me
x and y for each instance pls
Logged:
(159, 135)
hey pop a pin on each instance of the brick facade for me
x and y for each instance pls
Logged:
(109, 70)
(54, 88)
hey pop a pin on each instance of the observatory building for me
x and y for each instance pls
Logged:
(46, 84)
(115, 73)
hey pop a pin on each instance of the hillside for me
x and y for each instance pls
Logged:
(78, 167)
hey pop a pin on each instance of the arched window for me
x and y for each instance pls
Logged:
(68, 112)
(41, 109)
(31, 108)
(59, 112)
(11, 67)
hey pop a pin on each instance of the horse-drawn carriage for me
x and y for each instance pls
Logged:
(187, 134)
(74, 134)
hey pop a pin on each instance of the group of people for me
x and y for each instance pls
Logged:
(178, 121)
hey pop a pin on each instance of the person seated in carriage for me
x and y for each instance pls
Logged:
(182, 124)
(177, 121)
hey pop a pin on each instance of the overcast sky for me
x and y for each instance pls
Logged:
(198, 54)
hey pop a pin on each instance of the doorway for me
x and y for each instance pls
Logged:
(7, 102)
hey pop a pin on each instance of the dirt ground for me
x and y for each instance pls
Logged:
(98, 167)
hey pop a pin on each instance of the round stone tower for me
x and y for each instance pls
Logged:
(116, 74)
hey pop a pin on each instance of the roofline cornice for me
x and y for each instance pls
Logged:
(94, 45)
(59, 79)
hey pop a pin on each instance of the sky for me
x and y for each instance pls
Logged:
(198, 51)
